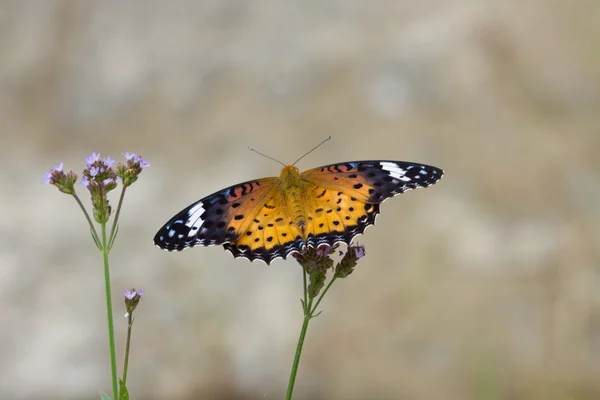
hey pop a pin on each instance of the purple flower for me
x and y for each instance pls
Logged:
(143, 162)
(47, 178)
(92, 159)
(94, 171)
(63, 181)
(359, 251)
(132, 298)
(133, 158)
(349, 261)
(323, 250)
(108, 180)
(130, 171)
(131, 293)
(108, 162)
(85, 181)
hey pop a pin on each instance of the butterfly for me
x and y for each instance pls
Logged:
(268, 218)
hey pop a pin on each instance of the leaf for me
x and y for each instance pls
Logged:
(123, 392)
(104, 396)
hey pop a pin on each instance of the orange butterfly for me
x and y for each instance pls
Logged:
(273, 217)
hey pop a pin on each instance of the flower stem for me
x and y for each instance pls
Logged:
(307, 318)
(312, 311)
(126, 362)
(89, 220)
(111, 238)
(111, 330)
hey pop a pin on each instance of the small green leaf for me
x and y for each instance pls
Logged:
(104, 396)
(111, 241)
(96, 239)
(123, 393)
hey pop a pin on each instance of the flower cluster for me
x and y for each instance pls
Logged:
(99, 178)
(316, 263)
(132, 298)
(129, 172)
(57, 177)
(349, 261)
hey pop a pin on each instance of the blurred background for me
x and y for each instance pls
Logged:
(485, 286)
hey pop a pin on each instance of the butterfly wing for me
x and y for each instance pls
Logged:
(217, 219)
(346, 196)
(270, 234)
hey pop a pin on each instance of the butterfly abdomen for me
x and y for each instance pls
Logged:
(293, 190)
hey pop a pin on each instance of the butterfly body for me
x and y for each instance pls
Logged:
(272, 217)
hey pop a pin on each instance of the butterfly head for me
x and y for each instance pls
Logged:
(289, 171)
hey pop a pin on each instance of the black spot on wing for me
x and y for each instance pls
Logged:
(346, 233)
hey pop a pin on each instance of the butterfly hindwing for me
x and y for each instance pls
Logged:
(216, 219)
(270, 234)
(373, 181)
(337, 217)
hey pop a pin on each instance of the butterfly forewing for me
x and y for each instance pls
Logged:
(373, 181)
(216, 219)
(349, 194)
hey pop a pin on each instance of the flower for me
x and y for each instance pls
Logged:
(132, 298)
(65, 182)
(99, 178)
(323, 250)
(109, 180)
(47, 178)
(108, 162)
(359, 251)
(95, 157)
(346, 266)
(133, 167)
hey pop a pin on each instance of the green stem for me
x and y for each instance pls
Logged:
(312, 311)
(111, 238)
(111, 330)
(89, 220)
(290, 389)
(305, 291)
(126, 362)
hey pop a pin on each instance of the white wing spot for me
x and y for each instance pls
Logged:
(423, 172)
(194, 222)
(395, 171)
(172, 233)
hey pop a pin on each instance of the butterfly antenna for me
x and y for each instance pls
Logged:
(311, 150)
(266, 156)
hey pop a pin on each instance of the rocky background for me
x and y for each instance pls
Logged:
(485, 286)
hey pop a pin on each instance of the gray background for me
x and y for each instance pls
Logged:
(484, 286)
